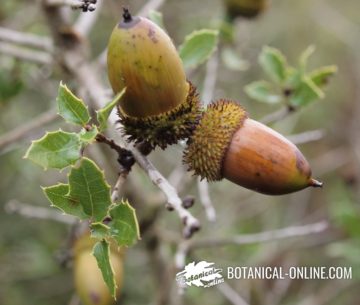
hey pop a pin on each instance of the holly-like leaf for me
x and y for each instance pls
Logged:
(233, 61)
(57, 149)
(305, 93)
(58, 196)
(124, 227)
(104, 113)
(71, 108)
(262, 91)
(321, 76)
(274, 63)
(101, 251)
(198, 47)
(89, 188)
(157, 18)
(99, 230)
(88, 136)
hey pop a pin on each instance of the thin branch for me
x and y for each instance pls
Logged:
(210, 79)
(266, 236)
(307, 136)
(38, 57)
(277, 115)
(71, 3)
(24, 130)
(230, 294)
(191, 224)
(26, 39)
(31, 211)
(203, 189)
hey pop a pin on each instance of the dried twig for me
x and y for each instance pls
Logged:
(24, 130)
(38, 57)
(203, 188)
(307, 136)
(31, 211)
(277, 115)
(230, 294)
(266, 236)
(26, 39)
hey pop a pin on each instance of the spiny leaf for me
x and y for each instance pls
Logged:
(57, 149)
(71, 108)
(101, 251)
(274, 63)
(99, 230)
(304, 57)
(88, 186)
(88, 136)
(262, 91)
(57, 195)
(124, 227)
(306, 93)
(104, 113)
(198, 47)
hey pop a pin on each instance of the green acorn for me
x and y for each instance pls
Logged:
(245, 8)
(160, 106)
(228, 144)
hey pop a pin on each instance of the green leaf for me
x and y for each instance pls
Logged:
(88, 136)
(157, 18)
(57, 195)
(88, 186)
(306, 93)
(321, 76)
(274, 63)
(104, 113)
(124, 227)
(99, 230)
(101, 252)
(198, 47)
(233, 61)
(304, 57)
(262, 91)
(71, 108)
(57, 149)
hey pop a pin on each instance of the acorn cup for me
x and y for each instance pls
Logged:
(245, 8)
(89, 282)
(160, 106)
(228, 144)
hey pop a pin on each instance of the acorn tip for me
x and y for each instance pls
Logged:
(315, 183)
(126, 15)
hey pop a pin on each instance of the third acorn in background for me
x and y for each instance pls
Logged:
(245, 8)
(228, 144)
(89, 282)
(159, 106)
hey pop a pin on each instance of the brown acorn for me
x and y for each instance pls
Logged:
(245, 8)
(160, 106)
(228, 144)
(89, 283)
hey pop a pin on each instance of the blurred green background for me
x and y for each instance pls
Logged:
(31, 274)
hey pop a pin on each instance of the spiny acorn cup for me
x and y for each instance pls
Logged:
(228, 144)
(89, 282)
(160, 106)
(245, 8)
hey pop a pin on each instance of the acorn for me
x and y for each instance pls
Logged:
(228, 144)
(245, 8)
(89, 282)
(160, 106)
